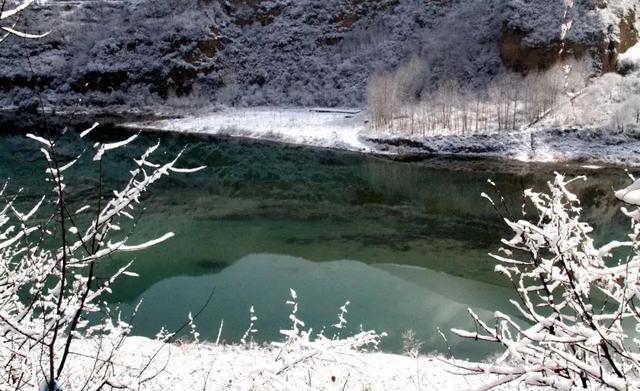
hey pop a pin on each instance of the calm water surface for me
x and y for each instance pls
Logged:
(405, 242)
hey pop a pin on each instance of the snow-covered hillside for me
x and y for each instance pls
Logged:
(185, 54)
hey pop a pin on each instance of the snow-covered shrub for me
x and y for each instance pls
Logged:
(577, 302)
(51, 299)
(305, 350)
(627, 115)
(629, 61)
(411, 345)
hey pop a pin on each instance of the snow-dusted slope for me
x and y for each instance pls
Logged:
(124, 55)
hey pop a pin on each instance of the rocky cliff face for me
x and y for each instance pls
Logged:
(194, 53)
(604, 32)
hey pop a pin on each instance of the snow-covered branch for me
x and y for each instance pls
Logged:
(14, 13)
(47, 292)
(578, 307)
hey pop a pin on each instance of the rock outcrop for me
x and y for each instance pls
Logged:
(608, 34)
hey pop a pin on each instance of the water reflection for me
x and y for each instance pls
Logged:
(388, 298)
(316, 206)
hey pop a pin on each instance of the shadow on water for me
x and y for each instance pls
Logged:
(416, 233)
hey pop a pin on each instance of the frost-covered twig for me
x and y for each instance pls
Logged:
(47, 293)
(15, 13)
(251, 330)
(302, 349)
(579, 309)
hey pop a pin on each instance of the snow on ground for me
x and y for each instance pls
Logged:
(630, 60)
(552, 141)
(202, 366)
(318, 128)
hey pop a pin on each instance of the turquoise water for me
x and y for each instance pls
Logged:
(405, 242)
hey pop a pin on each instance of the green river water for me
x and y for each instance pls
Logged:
(405, 242)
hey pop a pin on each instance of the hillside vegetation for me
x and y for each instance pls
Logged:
(121, 55)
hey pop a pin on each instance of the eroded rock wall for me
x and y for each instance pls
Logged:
(602, 31)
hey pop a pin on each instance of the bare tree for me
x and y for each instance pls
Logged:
(48, 292)
(382, 99)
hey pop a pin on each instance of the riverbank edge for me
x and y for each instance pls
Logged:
(337, 129)
(328, 366)
(592, 147)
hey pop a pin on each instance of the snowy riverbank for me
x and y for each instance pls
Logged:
(349, 130)
(340, 129)
(317, 366)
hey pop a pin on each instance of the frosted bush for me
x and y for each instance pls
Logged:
(49, 287)
(627, 115)
(577, 302)
(305, 350)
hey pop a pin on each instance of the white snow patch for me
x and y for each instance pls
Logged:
(188, 366)
(340, 128)
(630, 60)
